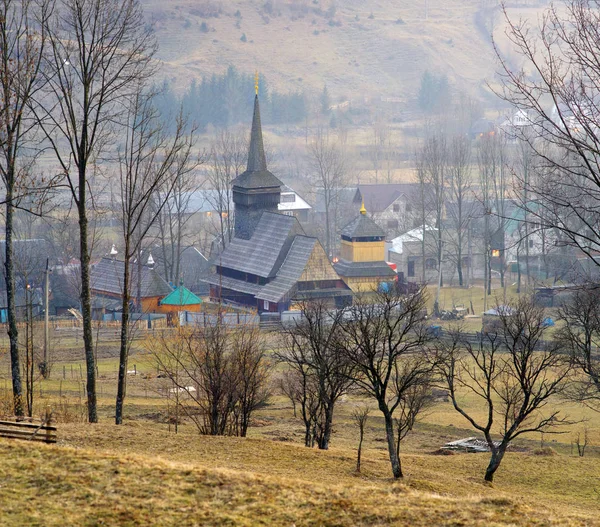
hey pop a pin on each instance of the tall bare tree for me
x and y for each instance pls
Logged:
(98, 53)
(147, 159)
(557, 88)
(228, 156)
(460, 193)
(173, 211)
(384, 335)
(580, 336)
(512, 388)
(433, 171)
(22, 45)
(493, 193)
(312, 350)
(328, 167)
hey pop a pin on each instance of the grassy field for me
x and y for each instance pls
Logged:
(139, 474)
(143, 473)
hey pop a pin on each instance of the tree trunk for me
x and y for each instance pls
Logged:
(519, 267)
(459, 268)
(13, 332)
(495, 461)
(86, 303)
(394, 458)
(359, 453)
(124, 349)
(327, 226)
(326, 436)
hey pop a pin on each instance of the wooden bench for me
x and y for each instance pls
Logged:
(42, 431)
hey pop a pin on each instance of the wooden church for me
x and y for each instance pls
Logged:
(271, 264)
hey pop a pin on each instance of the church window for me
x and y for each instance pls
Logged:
(396, 207)
(392, 224)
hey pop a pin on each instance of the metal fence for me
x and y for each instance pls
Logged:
(188, 318)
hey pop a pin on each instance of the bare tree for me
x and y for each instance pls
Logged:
(228, 157)
(493, 190)
(172, 210)
(254, 370)
(147, 159)
(98, 53)
(460, 193)
(288, 386)
(580, 337)
(414, 401)
(223, 373)
(581, 446)
(512, 387)
(360, 417)
(557, 88)
(22, 45)
(384, 335)
(433, 169)
(328, 167)
(312, 350)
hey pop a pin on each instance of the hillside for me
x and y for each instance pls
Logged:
(191, 480)
(357, 48)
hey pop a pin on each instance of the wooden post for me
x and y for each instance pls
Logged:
(48, 422)
(64, 372)
(46, 315)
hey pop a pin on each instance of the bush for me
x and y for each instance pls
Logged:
(204, 27)
(243, 38)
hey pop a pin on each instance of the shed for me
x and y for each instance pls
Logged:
(179, 300)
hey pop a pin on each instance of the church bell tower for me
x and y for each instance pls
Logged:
(256, 190)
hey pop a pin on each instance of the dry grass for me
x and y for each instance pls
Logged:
(215, 481)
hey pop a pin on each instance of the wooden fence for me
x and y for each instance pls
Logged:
(42, 431)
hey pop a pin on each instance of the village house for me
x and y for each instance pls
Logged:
(106, 283)
(393, 206)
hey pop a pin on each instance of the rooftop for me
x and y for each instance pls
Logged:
(181, 296)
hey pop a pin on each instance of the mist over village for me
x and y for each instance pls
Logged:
(300, 262)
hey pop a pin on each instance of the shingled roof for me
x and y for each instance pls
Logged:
(256, 174)
(362, 227)
(290, 271)
(262, 254)
(107, 278)
(364, 269)
(378, 198)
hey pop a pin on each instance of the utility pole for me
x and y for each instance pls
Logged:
(46, 369)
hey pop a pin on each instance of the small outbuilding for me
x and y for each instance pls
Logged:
(181, 299)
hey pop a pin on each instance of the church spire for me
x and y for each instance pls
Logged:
(256, 190)
(257, 161)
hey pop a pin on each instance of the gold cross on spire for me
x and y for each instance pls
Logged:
(256, 82)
